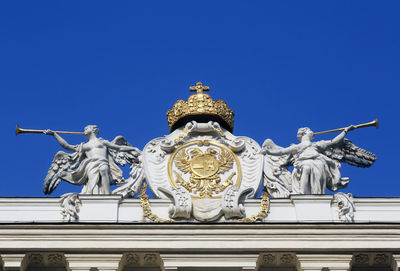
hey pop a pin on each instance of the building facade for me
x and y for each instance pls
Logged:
(300, 233)
(221, 202)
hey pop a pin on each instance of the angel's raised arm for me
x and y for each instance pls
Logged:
(120, 147)
(61, 141)
(288, 150)
(327, 143)
(271, 148)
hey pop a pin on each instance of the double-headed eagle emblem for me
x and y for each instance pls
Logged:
(205, 169)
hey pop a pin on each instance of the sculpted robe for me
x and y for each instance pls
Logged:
(324, 171)
(77, 169)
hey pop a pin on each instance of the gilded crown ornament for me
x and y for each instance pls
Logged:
(200, 107)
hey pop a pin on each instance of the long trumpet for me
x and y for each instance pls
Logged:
(19, 130)
(368, 124)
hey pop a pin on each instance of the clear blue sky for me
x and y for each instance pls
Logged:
(280, 65)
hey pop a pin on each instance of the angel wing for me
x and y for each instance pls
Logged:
(277, 177)
(131, 185)
(61, 169)
(225, 160)
(123, 157)
(182, 161)
(345, 151)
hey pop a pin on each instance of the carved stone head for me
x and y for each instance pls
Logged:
(305, 131)
(91, 129)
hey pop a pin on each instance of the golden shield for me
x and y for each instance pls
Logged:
(204, 165)
(205, 168)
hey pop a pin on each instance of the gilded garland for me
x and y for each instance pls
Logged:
(265, 204)
(147, 213)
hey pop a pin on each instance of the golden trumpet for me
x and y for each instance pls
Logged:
(368, 124)
(19, 130)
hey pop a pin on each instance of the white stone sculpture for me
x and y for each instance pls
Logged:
(93, 164)
(316, 164)
(205, 171)
(346, 207)
(70, 204)
(232, 205)
(181, 206)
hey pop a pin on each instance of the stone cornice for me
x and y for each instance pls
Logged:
(200, 237)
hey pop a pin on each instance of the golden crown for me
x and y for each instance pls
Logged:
(201, 108)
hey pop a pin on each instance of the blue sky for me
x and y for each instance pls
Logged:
(280, 65)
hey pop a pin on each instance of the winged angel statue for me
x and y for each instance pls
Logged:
(93, 164)
(315, 164)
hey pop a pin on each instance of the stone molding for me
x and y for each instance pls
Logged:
(114, 209)
(103, 262)
(218, 237)
(201, 261)
(335, 262)
(206, 260)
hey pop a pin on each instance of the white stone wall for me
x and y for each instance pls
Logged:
(114, 209)
(300, 233)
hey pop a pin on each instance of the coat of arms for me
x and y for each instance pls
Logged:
(202, 166)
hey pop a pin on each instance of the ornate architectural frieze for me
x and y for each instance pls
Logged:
(372, 260)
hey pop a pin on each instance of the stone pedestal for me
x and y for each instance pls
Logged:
(312, 207)
(99, 208)
(103, 262)
(314, 262)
